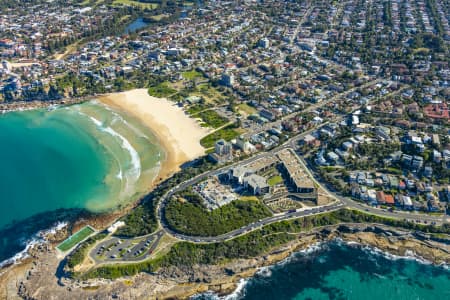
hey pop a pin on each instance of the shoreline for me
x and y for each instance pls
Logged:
(224, 278)
(14, 106)
(393, 243)
(177, 283)
(168, 123)
(161, 116)
(138, 105)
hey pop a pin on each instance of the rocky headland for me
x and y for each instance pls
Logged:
(41, 276)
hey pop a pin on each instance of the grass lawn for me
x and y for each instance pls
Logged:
(196, 108)
(440, 235)
(189, 75)
(165, 244)
(210, 150)
(159, 17)
(212, 119)
(161, 90)
(247, 108)
(274, 180)
(74, 239)
(240, 130)
(210, 94)
(330, 169)
(135, 3)
(248, 198)
(421, 50)
(394, 171)
(88, 2)
(226, 133)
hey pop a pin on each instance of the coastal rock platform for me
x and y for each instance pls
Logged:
(37, 277)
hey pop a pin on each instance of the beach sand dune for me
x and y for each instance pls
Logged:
(179, 134)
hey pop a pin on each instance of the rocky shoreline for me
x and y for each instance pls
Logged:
(37, 278)
(38, 104)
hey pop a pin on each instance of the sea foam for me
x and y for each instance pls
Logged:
(133, 174)
(119, 118)
(264, 272)
(238, 293)
(38, 238)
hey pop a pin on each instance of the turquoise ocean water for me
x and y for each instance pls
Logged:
(57, 163)
(337, 270)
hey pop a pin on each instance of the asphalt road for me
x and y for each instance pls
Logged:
(121, 249)
(340, 202)
(256, 225)
(349, 203)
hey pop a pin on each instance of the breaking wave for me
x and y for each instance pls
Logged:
(133, 173)
(37, 239)
(266, 272)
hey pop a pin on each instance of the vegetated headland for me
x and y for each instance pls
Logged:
(189, 269)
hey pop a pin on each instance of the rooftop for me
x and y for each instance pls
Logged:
(295, 170)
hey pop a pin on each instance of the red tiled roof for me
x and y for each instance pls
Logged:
(381, 197)
(437, 111)
(389, 199)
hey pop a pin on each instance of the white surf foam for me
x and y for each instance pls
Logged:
(132, 174)
(264, 272)
(316, 247)
(135, 160)
(119, 118)
(238, 293)
(22, 254)
(409, 255)
(267, 271)
(38, 238)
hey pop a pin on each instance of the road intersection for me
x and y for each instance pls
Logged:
(339, 202)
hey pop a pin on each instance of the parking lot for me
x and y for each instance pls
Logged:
(115, 248)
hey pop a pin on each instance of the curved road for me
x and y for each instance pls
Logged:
(340, 202)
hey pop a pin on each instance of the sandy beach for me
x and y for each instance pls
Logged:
(179, 134)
